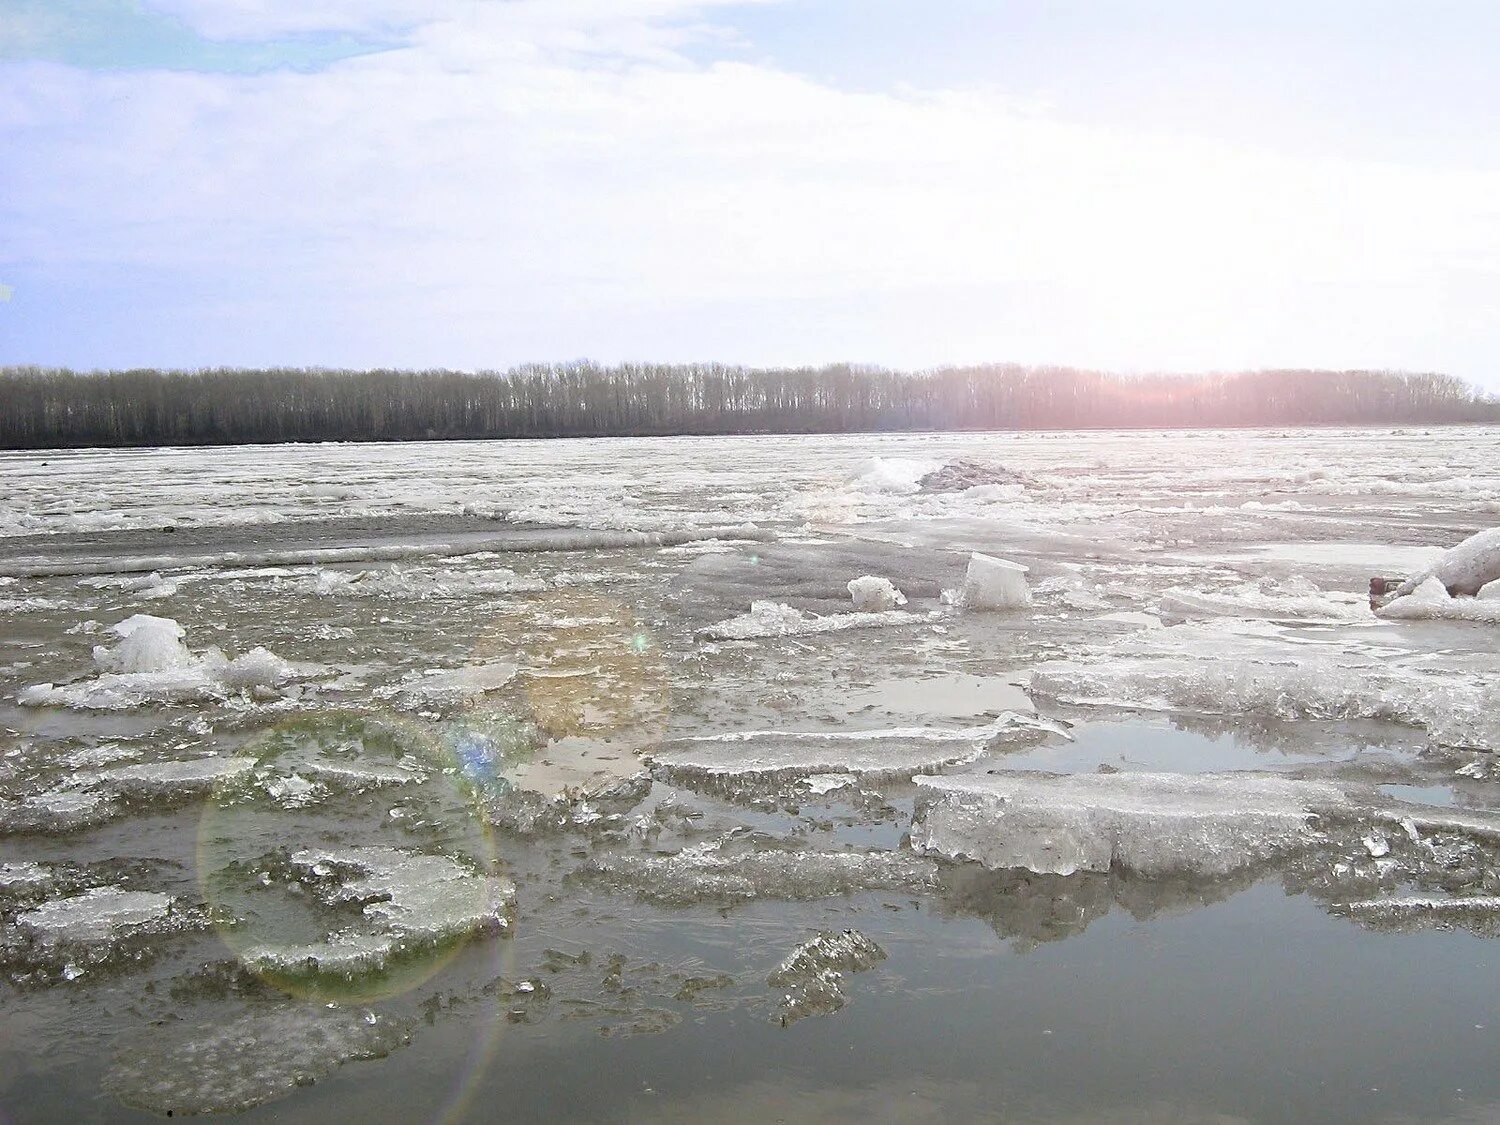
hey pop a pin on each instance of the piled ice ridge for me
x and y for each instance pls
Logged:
(1149, 824)
(992, 583)
(151, 664)
(813, 973)
(888, 754)
(773, 619)
(719, 873)
(873, 594)
(251, 1059)
(411, 901)
(1464, 569)
(1431, 601)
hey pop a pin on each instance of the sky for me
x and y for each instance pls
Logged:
(1134, 185)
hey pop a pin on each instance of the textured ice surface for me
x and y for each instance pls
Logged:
(992, 583)
(1151, 824)
(1463, 569)
(410, 901)
(23, 877)
(56, 810)
(104, 914)
(248, 1060)
(772, 619)
(873, 594)
(812, 974)
(893, 753)
(718, 873)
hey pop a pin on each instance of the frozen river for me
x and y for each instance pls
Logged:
(464, 781)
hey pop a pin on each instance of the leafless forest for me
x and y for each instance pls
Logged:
(54, 408)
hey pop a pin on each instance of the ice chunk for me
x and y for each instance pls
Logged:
(873, 594)
(148, 644)
(1489, 592)
(56, 810)
(822, 783)
(773, 619)
(102, 915)
(1464, 569)
(992, 583)
(254, 1058)
(1150, 824)
(24, 877)
(439, 685)
(1294, 598)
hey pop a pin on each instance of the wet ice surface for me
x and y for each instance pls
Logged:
(421, 780)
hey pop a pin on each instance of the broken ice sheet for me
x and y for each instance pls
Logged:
(247, 1060)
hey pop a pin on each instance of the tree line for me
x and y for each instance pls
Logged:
(44, 408)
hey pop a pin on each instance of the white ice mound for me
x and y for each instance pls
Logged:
(1150, 824)
(992, 583)
(873, 594)
(1430, 601)
(887, 754)
(773, 619)
(148, 644)
(1463, 569)
(151, 664)
(248, 1060)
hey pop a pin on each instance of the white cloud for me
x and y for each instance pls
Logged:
(545, 179)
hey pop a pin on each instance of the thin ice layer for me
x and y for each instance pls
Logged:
(873, 755)
(1151, 824)
(249, 1060)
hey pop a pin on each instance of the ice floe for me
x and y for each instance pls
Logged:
(410, 901)
(999, 584)
(880, 755)
(1151, 824)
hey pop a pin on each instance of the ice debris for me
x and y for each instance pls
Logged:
(997, 584)
(1149, 824)
(812, 974)
(774, 619)
(873, 594)
(964, 473)
(247, 1061)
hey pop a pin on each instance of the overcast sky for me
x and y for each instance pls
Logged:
(474, 183)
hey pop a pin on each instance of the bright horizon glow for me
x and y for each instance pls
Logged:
(479, 183)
